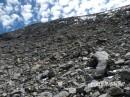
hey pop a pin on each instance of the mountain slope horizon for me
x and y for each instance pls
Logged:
(71, 57)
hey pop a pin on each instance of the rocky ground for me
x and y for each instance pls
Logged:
(85, 56)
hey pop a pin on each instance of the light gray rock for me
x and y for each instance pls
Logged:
(45, 94)
(87, 89)
(96, 94)
(62, 94)
(71, 90)
(102, 57)
(105, 95)
(127, 56)
(119, 62)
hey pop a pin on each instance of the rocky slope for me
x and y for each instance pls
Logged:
(85, 56)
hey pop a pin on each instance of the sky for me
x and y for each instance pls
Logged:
(15, 14)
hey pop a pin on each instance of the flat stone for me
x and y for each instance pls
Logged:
(65, 66)
(119, 62)
(105, 95)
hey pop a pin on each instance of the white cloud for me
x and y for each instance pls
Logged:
(16, 17)
(44, 19)
(26, 13)
(63, 2)
(8, 9)
(41, 1)
(56, 11)
(12, 2)
(9, 13)
(43, 7)
(6, 20)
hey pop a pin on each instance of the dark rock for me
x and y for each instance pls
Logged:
(125, 75)
(51, 73)
(93, 62)
(115, 91)
(127, 63)
(80, 90)
(127, 93)
(101, 41)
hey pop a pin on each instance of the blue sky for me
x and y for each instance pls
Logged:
(15, 14)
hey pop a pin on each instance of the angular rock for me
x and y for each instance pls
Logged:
(66, 66)
(60, 83)
(80, 89)
(96, 94)
(87, 89)
(47, 74)
(62, 94)
(45, 94)
(127, 62)
(71, 90)
(119, 62)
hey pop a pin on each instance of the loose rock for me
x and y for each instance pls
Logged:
(102, 58)
(62, 94)
(104, 95)
(125, 75)
(45, 94)
(115, 91)
(127, 56)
